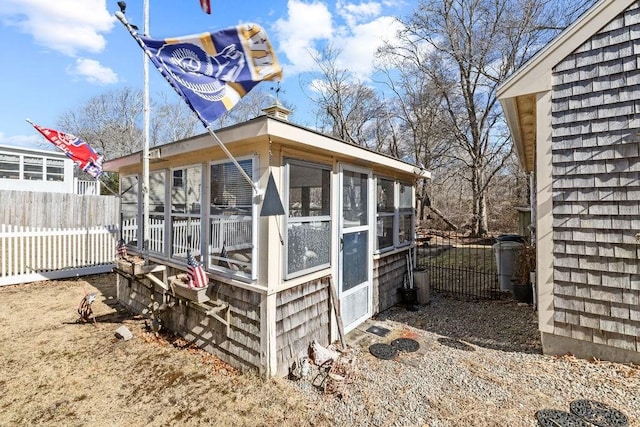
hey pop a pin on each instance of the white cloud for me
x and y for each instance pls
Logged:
(66, 26)
(92, 71)
(360, 44)
(361, 29)
(305, 25)
(26, 141)
(354, 13)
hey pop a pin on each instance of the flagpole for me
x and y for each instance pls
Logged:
(233, 159)
(145, 151)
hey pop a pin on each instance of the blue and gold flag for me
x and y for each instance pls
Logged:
(213, 71)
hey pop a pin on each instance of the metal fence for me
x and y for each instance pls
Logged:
(459, 266)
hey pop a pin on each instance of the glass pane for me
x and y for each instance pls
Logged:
(309, 190)
(33, 168)
(231, 194)
(384, 232)
(231, 243)
(55, 170)
(129, 208)
(354, 190)
(185, 235)
(308, 245)
(406, 196)
(406, 231)
(9, 166)
(384, 195)
(185, 198)
(156, 194)
(354, 260)
(231, 239)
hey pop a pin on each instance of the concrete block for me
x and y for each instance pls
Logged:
(621, 341)
(123, 333)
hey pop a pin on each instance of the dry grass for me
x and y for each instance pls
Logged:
(57, 371)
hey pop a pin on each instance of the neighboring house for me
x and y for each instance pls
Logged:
(27, 169)
(574, 115)
(348, 223)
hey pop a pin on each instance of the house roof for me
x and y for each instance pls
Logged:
(518, 94)
(26, 150)
(267, 126)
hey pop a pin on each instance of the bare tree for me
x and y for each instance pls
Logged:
(465, 49)
(172, 121)
(109, 122)
(347, 108)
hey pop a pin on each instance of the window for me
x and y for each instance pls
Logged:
(185, 211)
(177, 178)
(55, 170)
(405, 205)
(385, 213)
(129, 209)
(33, 167)
(156, 210)
(309, 217)
(231, 218)
(9, 166)
(395, 214)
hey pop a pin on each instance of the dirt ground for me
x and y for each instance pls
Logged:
(58, 371)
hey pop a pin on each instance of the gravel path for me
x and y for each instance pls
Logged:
(479, 364)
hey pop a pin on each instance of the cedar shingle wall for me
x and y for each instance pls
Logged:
(302, 316)
(388, 276)
(241, 349)
(596, 187)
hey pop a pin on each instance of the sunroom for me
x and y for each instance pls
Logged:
(301, 235)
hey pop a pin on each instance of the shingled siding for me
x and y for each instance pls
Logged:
(241, 348)
(302, 316)
(596, 187)
(388, 276)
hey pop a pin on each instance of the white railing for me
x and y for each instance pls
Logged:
(86, 187)
(29, 254)
(234, 232)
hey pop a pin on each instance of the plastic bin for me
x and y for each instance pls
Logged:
(506, 252)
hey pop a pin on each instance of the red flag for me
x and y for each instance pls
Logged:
(206, 6)
(76, 149)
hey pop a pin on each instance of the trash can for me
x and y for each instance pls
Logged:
(506, 250)
(421, 281)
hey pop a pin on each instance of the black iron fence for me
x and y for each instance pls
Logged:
(462, 266)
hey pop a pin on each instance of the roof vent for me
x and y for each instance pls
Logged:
(277, 111)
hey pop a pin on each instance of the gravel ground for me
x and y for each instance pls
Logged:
(479, 364)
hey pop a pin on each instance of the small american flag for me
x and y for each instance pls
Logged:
(121, 250)
(195, 273)
(206, 6)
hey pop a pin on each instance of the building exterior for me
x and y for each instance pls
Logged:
(35, 170)
(574, 115)
(28, 169)
(279, 279)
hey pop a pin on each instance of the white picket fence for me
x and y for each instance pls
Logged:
(29, 254)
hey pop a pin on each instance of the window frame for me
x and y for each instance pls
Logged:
(213, 260)
(398, 213)
(293, 220)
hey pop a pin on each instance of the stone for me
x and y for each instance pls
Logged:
(123, 333)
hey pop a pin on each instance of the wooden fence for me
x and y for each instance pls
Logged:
(57, 210)
(28, 254)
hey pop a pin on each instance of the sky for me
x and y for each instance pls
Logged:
(60, 53)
